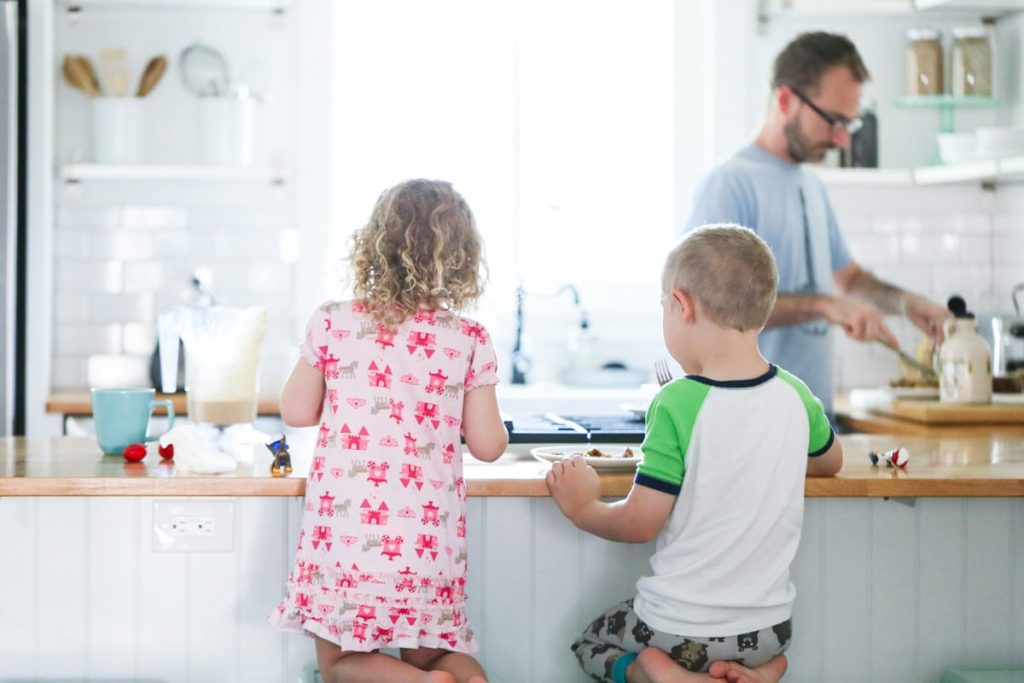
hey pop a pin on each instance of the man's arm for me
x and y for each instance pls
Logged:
(860, 320)
(576, 489)
(856, 282)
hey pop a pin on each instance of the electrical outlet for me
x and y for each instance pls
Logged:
(193, 525)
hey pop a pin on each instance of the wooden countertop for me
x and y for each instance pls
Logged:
(970, 465)
(858, 419)
(79, 404)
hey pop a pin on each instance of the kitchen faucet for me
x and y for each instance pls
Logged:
(520, 362)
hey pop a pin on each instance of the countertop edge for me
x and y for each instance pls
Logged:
(612, 486)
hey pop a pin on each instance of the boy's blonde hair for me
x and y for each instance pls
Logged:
(419, 248)
(729, 270)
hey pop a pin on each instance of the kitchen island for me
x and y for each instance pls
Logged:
(973, 463)
(933, 554)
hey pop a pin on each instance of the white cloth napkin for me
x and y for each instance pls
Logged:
(194, 450)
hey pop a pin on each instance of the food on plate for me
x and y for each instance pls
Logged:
(598, 453)
(913, 378)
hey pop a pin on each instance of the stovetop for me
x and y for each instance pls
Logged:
(559, 428)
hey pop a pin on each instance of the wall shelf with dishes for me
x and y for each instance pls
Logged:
(983, 171)
(947, 105)
(775, 9)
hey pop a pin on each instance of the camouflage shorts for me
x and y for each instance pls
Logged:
(619, 631)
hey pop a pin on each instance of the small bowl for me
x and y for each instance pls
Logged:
(955, 148)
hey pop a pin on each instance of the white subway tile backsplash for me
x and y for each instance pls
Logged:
(145, 276)
(1008, 245)
(88, 217)
(154, 217)
(124, 244)
(122, 308)
(71, 244)
(269, 277)
(71, 307)
(69, 372)
(77, 339)
(101, 276)
(138, 338)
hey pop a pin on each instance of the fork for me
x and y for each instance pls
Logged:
(661, 372)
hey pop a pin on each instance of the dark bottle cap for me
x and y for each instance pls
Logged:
(958, 307)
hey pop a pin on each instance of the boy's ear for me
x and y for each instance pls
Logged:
(685, 302)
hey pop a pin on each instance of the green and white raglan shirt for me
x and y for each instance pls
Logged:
(735, 454)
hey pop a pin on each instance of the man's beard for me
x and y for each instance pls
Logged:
(798, 146)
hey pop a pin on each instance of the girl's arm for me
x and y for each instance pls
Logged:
(639, 518)
(482, 426)
(302, 400)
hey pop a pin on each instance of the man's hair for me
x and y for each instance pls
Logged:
(802, 63)
(729, 270)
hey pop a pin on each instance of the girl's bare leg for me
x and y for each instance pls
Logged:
(463, 667)
(337, 666)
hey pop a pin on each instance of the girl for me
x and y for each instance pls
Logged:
(392, 378)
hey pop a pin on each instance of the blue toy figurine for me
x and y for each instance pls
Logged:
(282, 463)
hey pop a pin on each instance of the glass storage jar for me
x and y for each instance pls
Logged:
(972, 62)
(923, 63)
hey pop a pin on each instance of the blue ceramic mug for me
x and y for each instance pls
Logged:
(122, 417)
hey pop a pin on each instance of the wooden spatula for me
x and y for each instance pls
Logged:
(155, 69)
(114, 65)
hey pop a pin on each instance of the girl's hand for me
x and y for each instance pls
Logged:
(574, 485)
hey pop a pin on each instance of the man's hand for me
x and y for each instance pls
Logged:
(927, 316)
(860, 320)
(574, 485)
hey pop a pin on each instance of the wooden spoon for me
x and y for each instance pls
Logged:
(78, 77)
(87, 65)
(151, 75)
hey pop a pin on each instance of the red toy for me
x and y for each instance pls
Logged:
(134, 452)
(897, 457)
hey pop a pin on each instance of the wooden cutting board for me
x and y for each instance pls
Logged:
(933, 412)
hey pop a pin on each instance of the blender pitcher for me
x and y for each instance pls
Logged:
(222, 358)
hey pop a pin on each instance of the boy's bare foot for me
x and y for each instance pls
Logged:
(769, 672)
(655, 666)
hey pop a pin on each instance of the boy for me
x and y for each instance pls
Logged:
(721, 484)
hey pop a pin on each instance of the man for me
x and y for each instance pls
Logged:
(815, 102)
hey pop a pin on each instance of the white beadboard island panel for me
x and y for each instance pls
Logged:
(887, 590)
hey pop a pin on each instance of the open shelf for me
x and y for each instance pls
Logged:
(1006, 170)
(866, 176)
(72, 6)
(84, 172)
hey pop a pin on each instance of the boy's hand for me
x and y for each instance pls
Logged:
(574, 485)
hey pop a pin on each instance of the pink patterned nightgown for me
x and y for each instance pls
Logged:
(381, 560)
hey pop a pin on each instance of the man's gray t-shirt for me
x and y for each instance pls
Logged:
(772, 197)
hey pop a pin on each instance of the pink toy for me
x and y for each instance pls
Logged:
(897, 457)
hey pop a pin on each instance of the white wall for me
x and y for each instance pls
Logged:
(886, 591)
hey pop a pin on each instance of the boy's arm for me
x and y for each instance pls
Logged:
(576, 488)
(828, 463)
(302, 399)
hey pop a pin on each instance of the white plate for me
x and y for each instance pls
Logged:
(616, 461)
(639, 410)
(919, 393)
(1008, 399)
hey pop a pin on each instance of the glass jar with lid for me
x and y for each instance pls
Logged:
(972, 62)
(923, 62)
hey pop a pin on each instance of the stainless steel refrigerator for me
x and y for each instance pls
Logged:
(12, 216)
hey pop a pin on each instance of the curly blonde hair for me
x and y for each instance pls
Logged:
(420, 247)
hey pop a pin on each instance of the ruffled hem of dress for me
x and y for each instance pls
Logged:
(311, 626)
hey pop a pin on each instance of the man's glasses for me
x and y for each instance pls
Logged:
(835, 121)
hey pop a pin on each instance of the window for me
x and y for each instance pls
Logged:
(554, 119)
